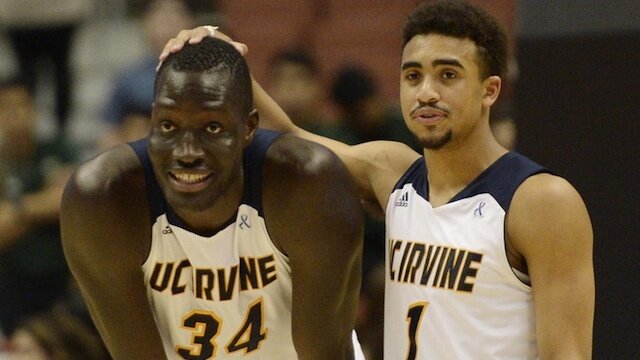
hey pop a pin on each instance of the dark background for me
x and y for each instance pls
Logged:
(577, 103)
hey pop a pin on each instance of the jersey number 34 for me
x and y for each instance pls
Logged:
(205, 326)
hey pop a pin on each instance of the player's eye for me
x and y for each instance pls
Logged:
(449, 74)
(412, 76)
(167, 126)
(214, 128)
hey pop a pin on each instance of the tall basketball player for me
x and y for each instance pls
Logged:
(211, 239)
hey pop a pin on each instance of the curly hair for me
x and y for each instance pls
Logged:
(213, 55)
(462, 20)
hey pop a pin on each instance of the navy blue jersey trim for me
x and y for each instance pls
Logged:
(416, 175)
(501, 179)
(253, 164)
(157, 203)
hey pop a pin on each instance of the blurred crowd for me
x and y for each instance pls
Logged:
(79, 79)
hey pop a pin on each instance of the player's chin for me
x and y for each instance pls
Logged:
(191, 201)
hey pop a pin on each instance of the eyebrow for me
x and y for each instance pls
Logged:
(434, 63)
(411, 64)
(451, 62)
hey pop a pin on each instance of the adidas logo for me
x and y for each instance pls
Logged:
(403, 201)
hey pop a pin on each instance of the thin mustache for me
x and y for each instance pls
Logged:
(427, 106)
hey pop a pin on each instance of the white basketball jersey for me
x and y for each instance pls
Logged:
(450, 292)
(225, 295)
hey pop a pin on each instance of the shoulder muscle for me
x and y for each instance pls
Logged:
(104, 199)
(307, 185)
(548, 213)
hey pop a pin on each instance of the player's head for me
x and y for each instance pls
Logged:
(210, 56)
(202, 119)
(452, 60)
(464, 21)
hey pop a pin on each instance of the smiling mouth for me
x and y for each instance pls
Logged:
(189, 182)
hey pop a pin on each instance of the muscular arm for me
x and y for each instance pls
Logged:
(549, 225)
(106, 236)
(375, 166)
(314, 216)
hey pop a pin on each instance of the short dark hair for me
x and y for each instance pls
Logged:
(211, 55)
(462, 20)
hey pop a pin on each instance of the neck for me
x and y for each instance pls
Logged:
(217, 216)
(457, 164)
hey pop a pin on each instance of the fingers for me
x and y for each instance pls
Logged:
(242, 48)
(175, 44)
(211, 30)
(194, 36)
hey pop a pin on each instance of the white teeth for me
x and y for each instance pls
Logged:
(190, 178)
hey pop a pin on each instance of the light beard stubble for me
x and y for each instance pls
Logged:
(436, 143)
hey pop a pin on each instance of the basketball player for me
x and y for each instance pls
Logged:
(489, 255)
(210, 239)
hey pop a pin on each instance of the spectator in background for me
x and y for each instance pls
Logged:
(363, 115)
(293, 80)
(33, 272)
(44, 31)
(128, 110)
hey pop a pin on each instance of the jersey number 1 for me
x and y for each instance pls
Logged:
(205, 326)
(414, 316)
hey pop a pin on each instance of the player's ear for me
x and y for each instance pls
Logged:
(251, 126)
(492, 86)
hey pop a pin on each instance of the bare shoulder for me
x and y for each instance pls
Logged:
(545, 190)
(106, 172)
(104, 206)
(301, 169)
(303, 158)
(307, 188)
(547, 210)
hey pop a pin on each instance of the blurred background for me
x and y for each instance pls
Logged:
(76, 77)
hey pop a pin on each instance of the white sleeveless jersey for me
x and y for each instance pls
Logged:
(225, 295)
(450, 292)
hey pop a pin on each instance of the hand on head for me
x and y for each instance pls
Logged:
(194, 36)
